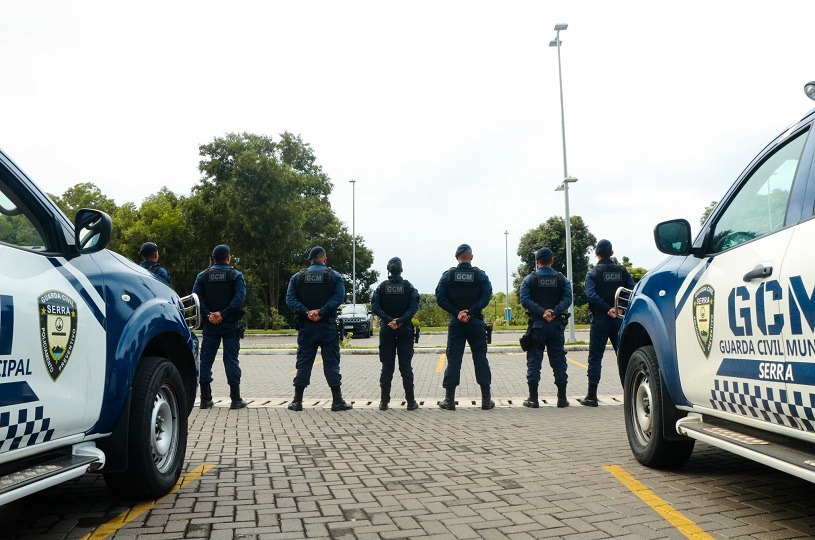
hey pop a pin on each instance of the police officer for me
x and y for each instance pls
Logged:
(546, 294)
(395, 302)
(314, 294)
(221, 291)
(463, 291)
(602, 283)
(149, 256)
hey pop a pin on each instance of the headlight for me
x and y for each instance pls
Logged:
(809, 90)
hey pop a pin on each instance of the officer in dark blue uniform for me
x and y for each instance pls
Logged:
(149, 256)
(221, 291)
(463, 291)
(314, 294)
(546, 294)
(395, 302)
(602, 283)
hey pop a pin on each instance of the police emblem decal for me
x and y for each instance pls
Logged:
(703, 317)
(57, 330)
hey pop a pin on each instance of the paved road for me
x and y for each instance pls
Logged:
(510, 472)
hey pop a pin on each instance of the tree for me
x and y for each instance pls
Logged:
(707, 211)
(636, 272)
(84, 195)
(430, 314)
(269, 200)
(552, 234)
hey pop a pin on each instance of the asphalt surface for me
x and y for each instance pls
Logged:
(510, 472)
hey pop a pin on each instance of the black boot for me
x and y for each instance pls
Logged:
(235, 395)
(386, 398)
(297, 402)
(410, 399)
(591, 397)
(561, 396)
(337, 403)
(486, 402)
(206, 395)
(449, 402)
(532, 401)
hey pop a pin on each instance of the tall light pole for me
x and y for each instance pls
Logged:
(506, 257)
(354, 240)
(566, 178)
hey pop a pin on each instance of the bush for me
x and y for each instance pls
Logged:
(582, 314)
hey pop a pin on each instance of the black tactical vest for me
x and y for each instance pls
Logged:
(464, 286)
(546, 290)
(315, 288)
(394, 297)
(219, 288)
(607, 279)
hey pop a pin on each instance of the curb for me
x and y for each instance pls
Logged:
(416, 350)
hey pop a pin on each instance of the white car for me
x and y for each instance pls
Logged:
(718, 341)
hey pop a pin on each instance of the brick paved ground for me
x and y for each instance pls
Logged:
(506, 473)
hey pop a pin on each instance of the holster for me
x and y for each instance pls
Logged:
(526, 339)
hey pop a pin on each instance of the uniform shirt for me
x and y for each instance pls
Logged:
(237, 300)
(157, 270)
(330, 308)
(597, 304)
(536, 309)
(443, 298)
(413, 307)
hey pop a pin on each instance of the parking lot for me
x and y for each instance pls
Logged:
(511, 472)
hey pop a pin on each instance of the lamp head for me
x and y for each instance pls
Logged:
(561, 26)
(809, 90)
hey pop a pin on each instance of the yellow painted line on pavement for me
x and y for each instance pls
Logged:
(671, 514)
(575, 362)
(112, 526)
(317, 363)
(440, 364)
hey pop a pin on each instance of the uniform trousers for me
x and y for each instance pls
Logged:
(392, 343)
(603, 328)
(311, 336)
(549, 336)
(473, 333)
(210, 341)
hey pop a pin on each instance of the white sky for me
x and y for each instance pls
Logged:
(446, 113)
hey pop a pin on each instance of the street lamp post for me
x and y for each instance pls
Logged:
(506, 257)
(566, 178)
(354, 240)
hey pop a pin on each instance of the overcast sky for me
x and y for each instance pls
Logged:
(447, 114)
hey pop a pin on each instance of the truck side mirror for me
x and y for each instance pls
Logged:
(92, 230)
(673, 237)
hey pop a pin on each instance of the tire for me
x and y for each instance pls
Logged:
(644, 416)
(155, 459)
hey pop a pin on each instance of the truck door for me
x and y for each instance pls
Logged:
(729, 324)
(52, 338)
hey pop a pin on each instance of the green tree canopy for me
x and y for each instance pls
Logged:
(552, 234)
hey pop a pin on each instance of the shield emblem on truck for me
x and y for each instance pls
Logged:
(57, 330)
(703, 317)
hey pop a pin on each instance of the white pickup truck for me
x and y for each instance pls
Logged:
(98, 368)
(718, 341)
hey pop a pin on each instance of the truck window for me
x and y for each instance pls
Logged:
(16, 228)
(760, 206)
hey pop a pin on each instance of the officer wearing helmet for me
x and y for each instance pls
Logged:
(395, 302)
(314, 294)
(602, 283)
(221, 290)
(463, 291)
(149, 261)
(546, 294)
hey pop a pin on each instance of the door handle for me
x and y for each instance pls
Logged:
(759, 272)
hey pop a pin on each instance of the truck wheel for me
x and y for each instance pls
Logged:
(157, 437)
(643, 415)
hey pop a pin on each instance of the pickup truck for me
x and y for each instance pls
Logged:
(718, 341)
(98, 363)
